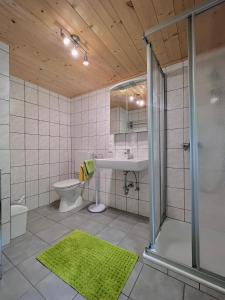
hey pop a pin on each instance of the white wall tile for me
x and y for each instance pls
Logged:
(44, 156)
(4, 111)
(44, 199)
(31, 188)
(175, 213)
(43, 128)
(17, 107)
(144, 208)
(43, 142)
(31, 141)
(16, 90)
(44, 185)
(5, 189)
(175, 99)
(44, 99)
(17, 158)
(31, 157)
(5, 161)
(4, 134)
(5, 211)
(175, 197)
(31, 173)
(175, 178)
(31, 110)
(43, 113)
(43, 171)
(4, 63)
(32, 202)
(5, 233)
(16, 124)
(4, 87)
(17, 191)
(31, 95)
(17, 174)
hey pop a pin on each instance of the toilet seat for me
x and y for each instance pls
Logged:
(66, 183)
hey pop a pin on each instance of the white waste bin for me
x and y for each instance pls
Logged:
(18, 220)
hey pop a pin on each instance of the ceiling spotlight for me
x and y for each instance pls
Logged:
(66, 41)
(74, 52)
(131, 98)
(137, 102)
(85, 62)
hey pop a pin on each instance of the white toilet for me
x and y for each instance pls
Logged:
(70, 194)
(70, 190)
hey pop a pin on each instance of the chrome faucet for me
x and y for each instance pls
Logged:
(128, 154)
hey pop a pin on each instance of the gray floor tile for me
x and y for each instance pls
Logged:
(53, 288)
(128, 218)
(121, 225)
(154, 285)
(91, 227)
(6, 264)
(32, 270)
(58, 216)
(26, 248)
(193, 294)
(134, 243)
(141, 230)
(112, 235)
(39, 224)
(53, 233)
(132, 279)
(20, 238)
(13, 285)
(61, 238)
(73, 221)
(45, 210)
(100, 218)
(32, 216)
(112, 212)
(32, 294)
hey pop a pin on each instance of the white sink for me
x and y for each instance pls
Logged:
(122, 164)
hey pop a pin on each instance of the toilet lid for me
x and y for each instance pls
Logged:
(66, 183)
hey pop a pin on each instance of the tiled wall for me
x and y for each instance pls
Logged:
(40, 142)
(178, 181)
(4, 142)
(90, 130)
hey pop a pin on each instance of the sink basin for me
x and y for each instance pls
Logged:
(122, 164)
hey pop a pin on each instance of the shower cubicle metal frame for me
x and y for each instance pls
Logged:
(195, 272)
(1, 225)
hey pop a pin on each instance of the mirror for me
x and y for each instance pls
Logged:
(128, 110)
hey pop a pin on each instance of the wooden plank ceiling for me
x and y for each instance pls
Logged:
(111, 30)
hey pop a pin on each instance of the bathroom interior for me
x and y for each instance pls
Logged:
(112, 132)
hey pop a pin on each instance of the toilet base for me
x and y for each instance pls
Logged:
(67, 205)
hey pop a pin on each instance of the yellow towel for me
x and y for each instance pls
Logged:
(82, 175)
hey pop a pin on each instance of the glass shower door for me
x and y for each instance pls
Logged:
(157, 145)
(1, 226)
(210, 99)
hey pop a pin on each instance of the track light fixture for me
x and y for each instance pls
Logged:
(74, 40)
(85, 61)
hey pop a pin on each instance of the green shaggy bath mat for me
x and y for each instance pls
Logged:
(95, 268)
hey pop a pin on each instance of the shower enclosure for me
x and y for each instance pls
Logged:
(196, 247)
